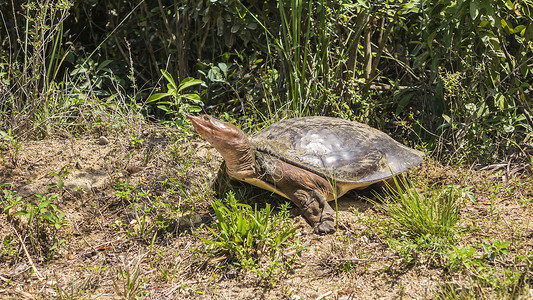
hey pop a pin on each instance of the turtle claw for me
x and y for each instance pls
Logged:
(326, 226)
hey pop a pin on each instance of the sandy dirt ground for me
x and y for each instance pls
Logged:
(117, 192)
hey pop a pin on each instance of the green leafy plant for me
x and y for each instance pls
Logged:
(490, 275)
(498, 250)
(124, 189)
(179, 104)
(421, 249)
(43, 222)
(141, 227)
(243, 232)
(14, 146)
(182, 158)
(9, 247)
(136, 141)
(10, 199)
(253, 239)
(44, 210)
(8, 202)
(93, 76)
(61, 175)
(133, 282)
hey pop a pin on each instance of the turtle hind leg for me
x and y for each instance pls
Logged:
(316, 210)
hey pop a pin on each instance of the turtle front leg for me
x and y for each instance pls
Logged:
(316, 210)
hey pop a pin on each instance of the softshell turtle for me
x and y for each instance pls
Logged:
(309, 160)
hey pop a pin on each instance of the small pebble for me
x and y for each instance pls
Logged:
(103, 140)
(189, 220)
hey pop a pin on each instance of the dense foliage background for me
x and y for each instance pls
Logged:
(453, 77)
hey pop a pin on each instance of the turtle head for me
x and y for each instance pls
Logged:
(218, 133)
(230, 141)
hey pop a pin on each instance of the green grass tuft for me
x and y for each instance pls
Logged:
(435, 213)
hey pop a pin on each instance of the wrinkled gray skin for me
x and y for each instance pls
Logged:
(309, 160)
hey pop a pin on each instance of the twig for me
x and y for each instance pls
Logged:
(508, 172)
(97, 247)
(39, 275)
(324, 295)
(510, 265)
(172, 290)
(493, 166)
(346, 227)
(352, 259)
(377, 236)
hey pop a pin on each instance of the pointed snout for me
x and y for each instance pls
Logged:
(192, 118)
(199, 123)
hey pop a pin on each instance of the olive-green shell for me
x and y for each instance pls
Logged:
(346, 151)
